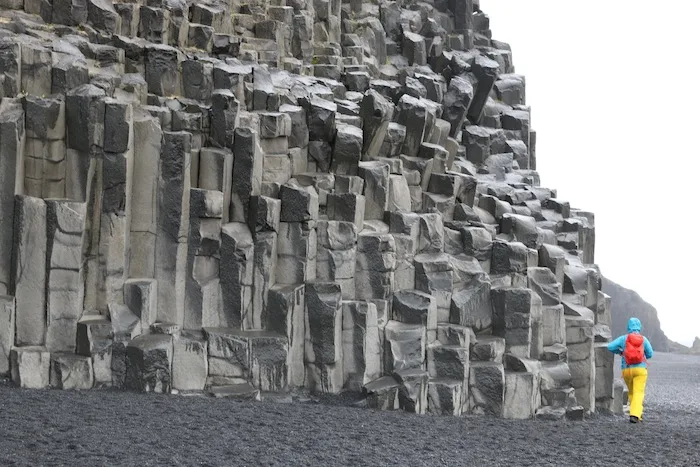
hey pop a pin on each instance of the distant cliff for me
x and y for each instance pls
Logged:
(627, 303)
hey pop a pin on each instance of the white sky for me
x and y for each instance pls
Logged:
(615, 93)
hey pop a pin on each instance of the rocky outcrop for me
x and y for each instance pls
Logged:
(695, 348)
(242, 198)
(627, 303)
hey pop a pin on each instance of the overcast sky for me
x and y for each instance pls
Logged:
(615, 95)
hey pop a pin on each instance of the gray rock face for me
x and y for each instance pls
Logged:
(69, 371)
(64, 288)
(405, 346)
(521, 395)
(251, 198)
(7, 335)
(486, 388)
(94, 339)
(12, 136)
(30, 367)
(376, 113)
(361, 350)
(30, 271)
(324, 336)
(173, 212)
(190, 364)
(149, 364)
(287, 317)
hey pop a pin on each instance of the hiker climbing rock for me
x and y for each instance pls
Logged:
(635, 350)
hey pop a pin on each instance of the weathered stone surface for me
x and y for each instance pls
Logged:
(376, 113)
(202, 298)
(404, 346)
(35, 75)
(382, 393)
(513, 318)
(149, 364)
(268, 361)
(347, 150)
(470, 305)
(94, 339)
(125, 324)
(324, 319)
(604, 377)
(215, 172)
(361, 351)
(486, 388)
(297, 248)
(376, 192)
(348, 207)
(445, 397)
(581, 357)
(299, 203)
(375, 266)
(64, 288)
(414, 116)
(12, 135)
(259, 356)
(436, 275)
(286, 315)
(70, 371)
(336, 255)
(448, 361)
(511, 257)
(264, 276)
(228, 354)
(141, 297)
(321, 119)
(190, 364)
(488, 349)
(236, 274)
(521, 399)
(172, 225)
(459, 95)
(7, 332)
(413, 392)
(143, 227)
(247, 173)
(324, 329)
(30, 367)
(29, 271)
(486, 71)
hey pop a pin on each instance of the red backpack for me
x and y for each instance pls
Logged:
(634, 349)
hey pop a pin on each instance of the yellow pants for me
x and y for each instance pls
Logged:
(636, 380)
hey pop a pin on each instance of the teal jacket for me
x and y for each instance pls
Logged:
(618, 345)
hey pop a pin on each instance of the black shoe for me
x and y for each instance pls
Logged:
(634, 419)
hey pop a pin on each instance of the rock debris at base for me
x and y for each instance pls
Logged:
(242, 198)
(107, 427)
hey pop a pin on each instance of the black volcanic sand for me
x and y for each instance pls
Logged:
(102, 427)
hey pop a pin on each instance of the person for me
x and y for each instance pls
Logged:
(635, 350)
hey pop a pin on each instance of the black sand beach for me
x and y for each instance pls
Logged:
(112, 428)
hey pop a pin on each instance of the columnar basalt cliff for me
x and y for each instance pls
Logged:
(238, 198)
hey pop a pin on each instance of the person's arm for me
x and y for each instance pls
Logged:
(617, 345)
(648, 351)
